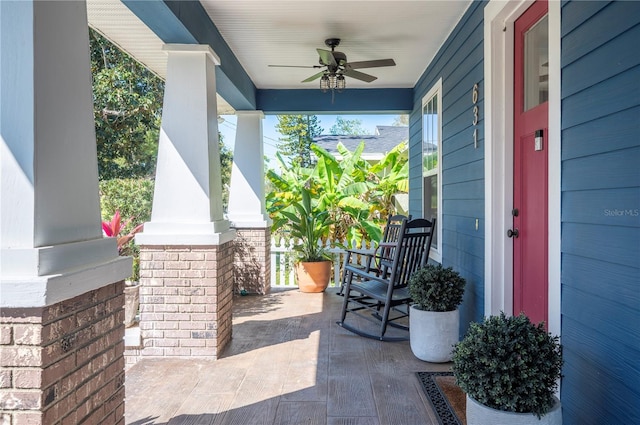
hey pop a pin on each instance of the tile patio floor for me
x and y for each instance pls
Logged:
(288, 363)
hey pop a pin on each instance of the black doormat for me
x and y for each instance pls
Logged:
(447, 399)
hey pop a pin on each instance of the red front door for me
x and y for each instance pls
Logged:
(529, 232)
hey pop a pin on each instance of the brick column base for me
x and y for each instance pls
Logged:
(252, 261)
(186, 295)
(64, 363)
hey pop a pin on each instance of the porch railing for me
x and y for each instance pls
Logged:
(283, 256)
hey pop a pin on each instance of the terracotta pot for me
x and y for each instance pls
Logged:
(313, 276)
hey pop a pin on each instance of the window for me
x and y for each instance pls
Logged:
(431, 163)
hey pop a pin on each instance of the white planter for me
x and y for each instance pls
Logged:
(131, 303)
(479, 414)
(432, 334)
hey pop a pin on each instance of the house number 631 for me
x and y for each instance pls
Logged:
(474, 98)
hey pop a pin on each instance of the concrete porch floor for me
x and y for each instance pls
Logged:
(288, 363)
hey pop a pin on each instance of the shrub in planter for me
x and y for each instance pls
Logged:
(435, 288)
(434, 320)
(509, 364)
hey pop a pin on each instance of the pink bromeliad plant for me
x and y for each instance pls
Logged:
(113, 228)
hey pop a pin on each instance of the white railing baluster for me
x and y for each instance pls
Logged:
(273, 262)
(291, 277)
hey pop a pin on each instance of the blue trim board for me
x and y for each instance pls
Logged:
(188, 23)
(313, 101)
(161, 20)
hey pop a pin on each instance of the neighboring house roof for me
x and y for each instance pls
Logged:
(376, 145)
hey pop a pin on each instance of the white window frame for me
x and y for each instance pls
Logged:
(436, 89)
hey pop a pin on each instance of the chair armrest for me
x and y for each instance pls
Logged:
(365, 274)
(366, 252)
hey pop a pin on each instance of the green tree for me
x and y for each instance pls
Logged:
(127, 101)
(298, 132)
(226, 163)
(347, 127)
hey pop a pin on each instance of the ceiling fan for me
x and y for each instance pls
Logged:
(337, 67)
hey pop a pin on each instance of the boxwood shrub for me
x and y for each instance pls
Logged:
(436, 288)
(510, 364)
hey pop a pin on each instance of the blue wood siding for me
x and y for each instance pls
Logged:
(601, 212)
(460, 65)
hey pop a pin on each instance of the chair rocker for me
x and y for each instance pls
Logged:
(370, 261)
(381, 295)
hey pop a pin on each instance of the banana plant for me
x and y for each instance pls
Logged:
(343, 187)
(357, 197)
(390, 176)
(306, 223)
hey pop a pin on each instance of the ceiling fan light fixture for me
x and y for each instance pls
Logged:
(336, 68)
(341, 83)
(332, 80)
(324, 83)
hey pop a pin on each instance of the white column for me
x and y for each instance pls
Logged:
(187, 202)
(246, 194)
(51, 239)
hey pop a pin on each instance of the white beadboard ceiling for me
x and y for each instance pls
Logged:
(287, 32)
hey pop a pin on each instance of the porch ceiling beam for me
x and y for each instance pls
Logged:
(312, 101)
(188, 23)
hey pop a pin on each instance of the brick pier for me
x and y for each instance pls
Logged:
(252, 262)
(64, 363)
(186, 295)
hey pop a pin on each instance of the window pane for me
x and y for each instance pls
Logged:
(431, 139)
(430, 136)
(430, 197)
(536, 64)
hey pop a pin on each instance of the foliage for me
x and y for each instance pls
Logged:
(306, 223)
(509, 364)
(435, 288)
(347, 127)
(113, 229)
(388, 177)
(298, 132)
(226, 164)
(127, 101)
(343, 187)
(357, 196)
(132, 198)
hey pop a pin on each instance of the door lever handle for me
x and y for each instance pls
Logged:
(513, 233)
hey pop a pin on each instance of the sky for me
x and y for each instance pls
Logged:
(271, 136)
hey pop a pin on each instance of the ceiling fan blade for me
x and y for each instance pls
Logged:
(313, 77)
(326, 57)
(359, 75)
(370, 64)
(295, 66)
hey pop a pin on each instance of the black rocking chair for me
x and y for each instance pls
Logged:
(370, 261)
(382, 291)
